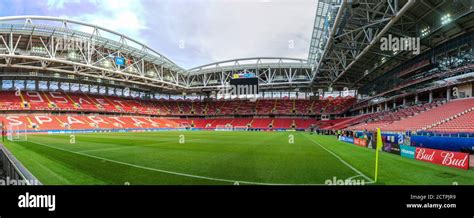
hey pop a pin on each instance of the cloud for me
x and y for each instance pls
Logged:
(125, 16)
(194, 32)
(220, 30)
(256, 29)
(59, 4)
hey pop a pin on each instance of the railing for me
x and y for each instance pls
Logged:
(446, 134)
(14, 172)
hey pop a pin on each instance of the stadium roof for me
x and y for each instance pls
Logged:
(353, 56)
(344, 49)
(20, 35)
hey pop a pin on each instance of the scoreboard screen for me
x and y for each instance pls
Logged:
(119, 61)
(244, 81)
(245, 86)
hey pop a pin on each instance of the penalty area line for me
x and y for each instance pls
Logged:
(235, 182)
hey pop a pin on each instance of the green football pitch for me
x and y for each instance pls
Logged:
(222, 158)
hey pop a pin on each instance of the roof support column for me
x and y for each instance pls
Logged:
(448, 94)
(431, 97)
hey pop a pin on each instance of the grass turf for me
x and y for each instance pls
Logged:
(216, 158)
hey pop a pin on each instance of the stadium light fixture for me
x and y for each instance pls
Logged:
(445, 19)
(151, 73)
(106, 64)
(425, 31)
(72, 55)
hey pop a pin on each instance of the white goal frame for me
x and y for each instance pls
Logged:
(241, 128)
(17, 133)
(223, 128)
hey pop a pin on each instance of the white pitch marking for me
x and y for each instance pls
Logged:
(171, 172)
(128, 147)
(342, 161)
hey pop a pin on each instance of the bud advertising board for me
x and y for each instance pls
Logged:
(445, 158)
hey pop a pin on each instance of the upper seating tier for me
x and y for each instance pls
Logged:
(78, 101)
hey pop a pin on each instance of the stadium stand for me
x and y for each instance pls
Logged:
(403, 83)
(420, 117)
(453, 116)
(384, 118)
(284, 123)
(82, 122)
(460, 123)
(63, 101)
(349, 121)
(431, 117)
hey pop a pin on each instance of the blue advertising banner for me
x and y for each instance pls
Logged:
(346, 139)
(120, 61)
(443, 143)
(407, 151)
(396, 138)
(392, 142)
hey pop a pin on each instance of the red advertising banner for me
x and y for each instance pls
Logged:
(445, 158)
(361, 142)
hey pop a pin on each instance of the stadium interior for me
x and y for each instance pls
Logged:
(56, 77)
(45, 84)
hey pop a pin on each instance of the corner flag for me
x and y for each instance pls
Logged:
(379, 140)
(377, 149)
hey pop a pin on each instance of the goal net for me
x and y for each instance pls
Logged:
(240, 128)
(17, 133)
(224, 128)
(183, 127)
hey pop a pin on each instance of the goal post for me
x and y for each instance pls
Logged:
(17, 133)
(229, 127)
(183, 126)
(223, 128)
(240, 128)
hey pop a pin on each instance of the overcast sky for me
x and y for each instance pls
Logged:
(192, 32)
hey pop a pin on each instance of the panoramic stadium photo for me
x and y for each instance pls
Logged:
(292, 93)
